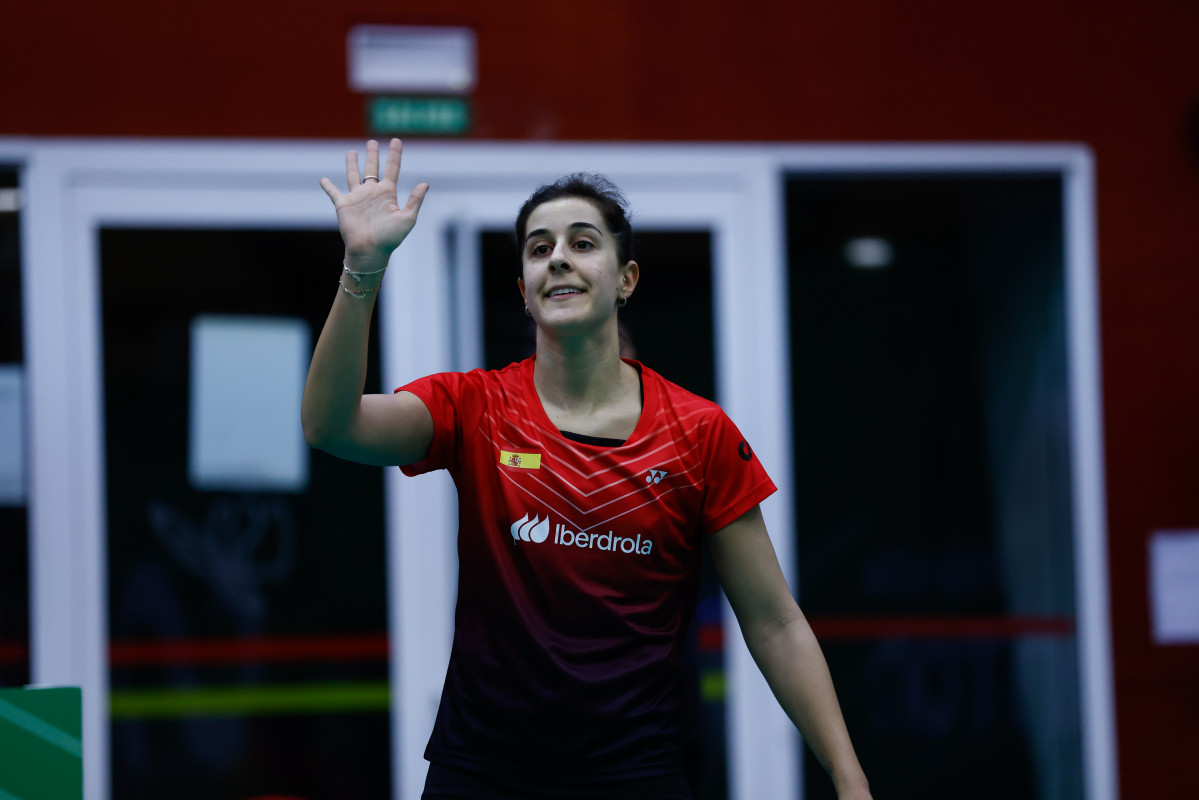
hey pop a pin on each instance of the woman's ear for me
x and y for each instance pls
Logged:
(520, 284)
(629, 275)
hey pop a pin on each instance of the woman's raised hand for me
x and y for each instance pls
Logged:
(369, 215)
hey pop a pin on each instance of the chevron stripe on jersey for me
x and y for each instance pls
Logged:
(576, 580)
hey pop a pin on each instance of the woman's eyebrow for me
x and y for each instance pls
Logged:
(573, 226)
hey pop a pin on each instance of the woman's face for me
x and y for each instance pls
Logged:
(572, 276)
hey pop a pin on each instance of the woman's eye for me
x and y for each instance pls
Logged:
(583, 244)
(540, 249)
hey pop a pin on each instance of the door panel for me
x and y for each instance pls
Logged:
(667, 325)
(248, 647)
(933, 487)
(694, 305)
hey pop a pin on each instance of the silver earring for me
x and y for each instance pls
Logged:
(528, 313)
(622, 302)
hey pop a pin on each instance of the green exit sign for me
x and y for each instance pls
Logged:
(418, 116)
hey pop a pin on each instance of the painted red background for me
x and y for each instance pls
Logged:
(1119, 77)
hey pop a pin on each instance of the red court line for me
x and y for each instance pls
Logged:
(837, 628)
(256, 649)
(369, 647)
(711, 638)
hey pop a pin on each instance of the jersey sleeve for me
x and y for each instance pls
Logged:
(734, 479)
(447, 396)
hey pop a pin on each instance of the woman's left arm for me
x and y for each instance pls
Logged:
(784, 647)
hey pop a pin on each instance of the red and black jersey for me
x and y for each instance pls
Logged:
(578, 570)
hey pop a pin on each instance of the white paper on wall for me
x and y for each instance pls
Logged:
(247, 379)
(1174, 586)
(12, 435)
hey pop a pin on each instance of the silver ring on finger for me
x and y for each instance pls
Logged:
(365, 178)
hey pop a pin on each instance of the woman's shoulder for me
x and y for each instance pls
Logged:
(511, 377)
(502, 384)
(478, 380)
(680, 400)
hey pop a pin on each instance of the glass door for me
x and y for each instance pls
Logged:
(221, 591)
(933, 480)
(670, 328)
(247, 630)
(682, 239)
(231, 549)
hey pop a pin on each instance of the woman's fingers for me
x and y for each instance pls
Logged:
(352, 176)
(391, 170)
(372, 160)
(331, 190)
(416, 198)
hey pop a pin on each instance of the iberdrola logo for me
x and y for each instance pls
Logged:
(531, 530)
(538, 530)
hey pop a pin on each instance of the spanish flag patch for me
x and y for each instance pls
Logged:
(520, 460)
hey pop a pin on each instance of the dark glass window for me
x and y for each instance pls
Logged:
(14, 517)
(932, 482)
(667, 325)
(248, 636)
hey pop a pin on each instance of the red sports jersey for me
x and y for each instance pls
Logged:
(578, 569)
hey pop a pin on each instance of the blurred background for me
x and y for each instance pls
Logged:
(927, 316)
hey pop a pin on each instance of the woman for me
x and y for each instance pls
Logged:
(587, 485)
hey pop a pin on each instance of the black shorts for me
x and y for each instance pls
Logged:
(448, 783)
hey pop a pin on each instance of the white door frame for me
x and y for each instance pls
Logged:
(72, 187)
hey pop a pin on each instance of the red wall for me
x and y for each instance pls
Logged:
(1119, 80)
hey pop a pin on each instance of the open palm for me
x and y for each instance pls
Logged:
(369, 215)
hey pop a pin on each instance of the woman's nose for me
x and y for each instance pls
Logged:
(559, 262)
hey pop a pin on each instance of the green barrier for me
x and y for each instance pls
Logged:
(41, 744)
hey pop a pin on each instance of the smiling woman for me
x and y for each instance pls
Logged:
(588, 486)
(573, 280)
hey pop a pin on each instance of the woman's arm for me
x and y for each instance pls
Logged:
(337, 417)
(782, 644)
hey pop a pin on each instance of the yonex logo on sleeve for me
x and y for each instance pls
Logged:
(655, 476)
(531, 530)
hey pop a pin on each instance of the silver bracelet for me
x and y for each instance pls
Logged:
(360, 295)
(357, 276)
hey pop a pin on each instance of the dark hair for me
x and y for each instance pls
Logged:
(597, 189)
